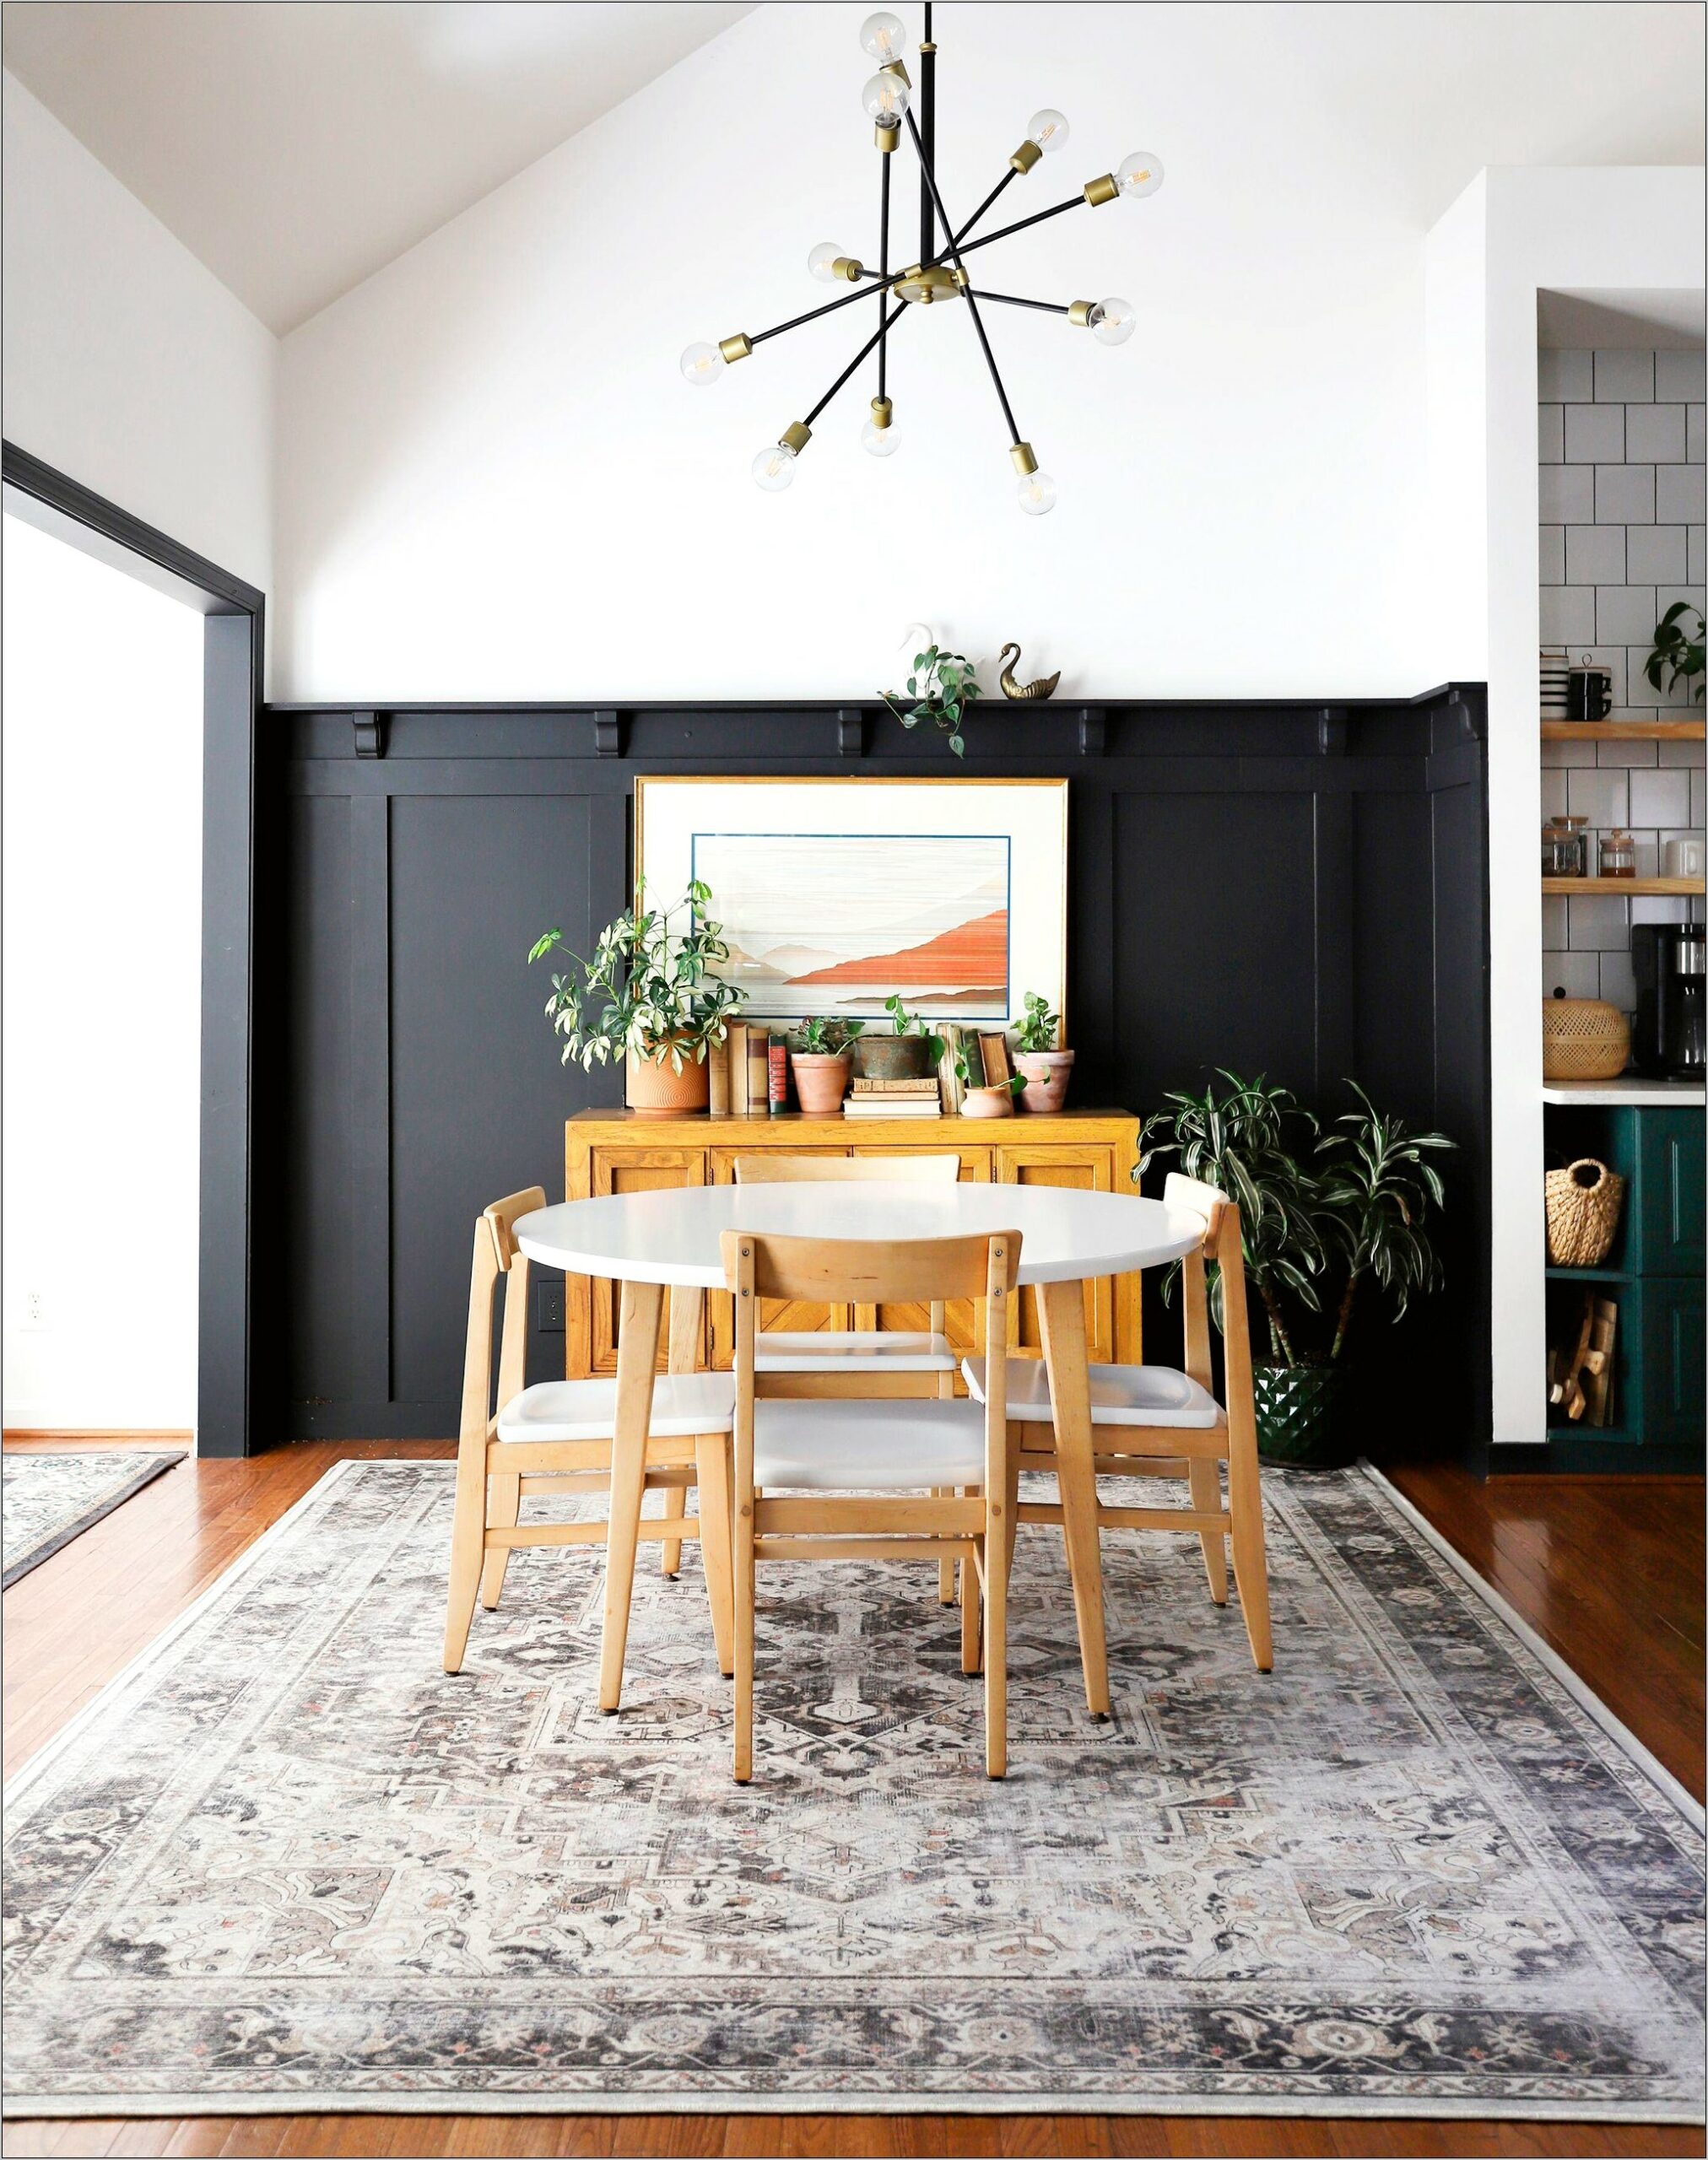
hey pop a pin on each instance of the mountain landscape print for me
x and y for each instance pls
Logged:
(836, 923)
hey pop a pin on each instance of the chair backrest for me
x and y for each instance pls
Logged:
(846, 1169)
(496, 1253)
(1223, 1244)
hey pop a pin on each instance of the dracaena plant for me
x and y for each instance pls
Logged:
(943, 688)
(650, 985)
(1377, 1190)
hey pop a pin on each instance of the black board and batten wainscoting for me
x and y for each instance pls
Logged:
(1289, 888)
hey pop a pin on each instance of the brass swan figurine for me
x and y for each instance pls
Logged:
(1022, 691)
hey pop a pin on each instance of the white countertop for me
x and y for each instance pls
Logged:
(1628, 1090)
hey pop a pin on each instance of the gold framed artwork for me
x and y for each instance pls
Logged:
(836, 894)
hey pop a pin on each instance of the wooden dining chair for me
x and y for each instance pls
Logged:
(1152, 1420)
(554, 1438)
(822, 1453)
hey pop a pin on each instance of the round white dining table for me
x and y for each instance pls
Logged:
(650, 1241)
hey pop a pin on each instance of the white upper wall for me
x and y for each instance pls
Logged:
(127, 366)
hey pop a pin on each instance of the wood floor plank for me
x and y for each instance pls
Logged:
(1608, 1571)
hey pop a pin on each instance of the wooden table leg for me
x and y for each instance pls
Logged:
(1061, 1319)
(686, 1307)
(637, 1355)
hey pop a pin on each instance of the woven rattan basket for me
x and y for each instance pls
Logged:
(1583, 1212)
(1582, 1039)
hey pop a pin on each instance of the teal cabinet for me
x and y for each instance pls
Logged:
(1669, 1203)
(1674, 1361)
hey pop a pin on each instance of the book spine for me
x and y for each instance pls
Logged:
(777, 1067)
(737, 1047)
(759, 1073)
(717, 1060)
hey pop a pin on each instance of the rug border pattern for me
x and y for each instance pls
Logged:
(162, 1461)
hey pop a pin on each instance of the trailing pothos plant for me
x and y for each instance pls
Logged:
(651, 987)
(913, 1023)
(1352, 1203)
(943, 688)
(1038, 1025)
(1678, 649)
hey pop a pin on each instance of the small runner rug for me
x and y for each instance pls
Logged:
(46, 1500)
(285, 1863)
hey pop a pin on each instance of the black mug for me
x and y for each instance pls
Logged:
(1589, 694)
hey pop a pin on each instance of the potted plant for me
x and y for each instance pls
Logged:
(1677, 649)
(1042, 1066)
(821, 1052)
(983, 1098)
(649, 994)
(1353, 1201)
(943, 688)
(910, 1053)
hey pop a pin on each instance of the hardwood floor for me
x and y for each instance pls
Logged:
(1608, 1570)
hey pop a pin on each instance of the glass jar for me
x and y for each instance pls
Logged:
(1618, 854)
(1565, 847)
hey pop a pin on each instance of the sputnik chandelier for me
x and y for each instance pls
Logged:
(940, 273)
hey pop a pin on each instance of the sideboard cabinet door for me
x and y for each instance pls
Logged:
(626, 1169)
(1089, 1167)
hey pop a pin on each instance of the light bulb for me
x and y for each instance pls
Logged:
(1048, 130)
(884, 37)
(885, 98)
(773, 467)
(1139, 174)
(703, 363)
(822, 260)
(1112, 322)
(1037, 493)
(878, 442)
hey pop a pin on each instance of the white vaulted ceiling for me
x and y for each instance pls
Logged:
(296, 148)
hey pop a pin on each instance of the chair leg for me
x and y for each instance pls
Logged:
(711, 1455)
(972, 1625)
(637, 1350)
(945, 1566)
(743, 1616)
(996, 1655)
(1251, 1564)
(1207, 1499)
(468, 1543)
(503, 1512)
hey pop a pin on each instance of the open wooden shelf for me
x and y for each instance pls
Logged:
(1677, 888)
(1622, 730)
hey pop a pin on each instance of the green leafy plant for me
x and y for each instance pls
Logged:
(1038, 1027)
(1679, 653)
(943, 688)
(910, 1024)
(970, 1066)
(650, 987)
(1377, 1191)
(826, 1038)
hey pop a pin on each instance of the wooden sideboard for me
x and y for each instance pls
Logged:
(613, 1151)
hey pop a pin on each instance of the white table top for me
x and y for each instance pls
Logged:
(673, 1236)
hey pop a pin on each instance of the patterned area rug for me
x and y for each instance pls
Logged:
(46, 1500)
(285, 1863)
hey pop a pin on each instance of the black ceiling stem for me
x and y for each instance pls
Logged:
(1013, 300)
(1037, 218)
(928, 113)
(899, 308)
(812, 315)
(930, 179)
(984, 206)
(884, 158)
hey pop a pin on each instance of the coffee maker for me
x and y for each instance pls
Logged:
(1670, 962)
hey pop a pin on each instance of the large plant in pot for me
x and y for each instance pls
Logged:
(1328, 1218)
(651, 995)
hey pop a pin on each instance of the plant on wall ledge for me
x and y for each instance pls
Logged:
(943, 688)
(1678, 651)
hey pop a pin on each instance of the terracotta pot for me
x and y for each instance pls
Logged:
(820, 1081)
(657, 1090)
(1046, 1072)
(988, 1102)
(893, 1057)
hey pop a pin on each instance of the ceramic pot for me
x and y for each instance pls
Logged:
(821, 1083)
(988, 1102)
(657, 1090)
(1303, 1414)
(893, 1057)
(1046, 1072)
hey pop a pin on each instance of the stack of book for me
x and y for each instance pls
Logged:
(745, 1073)
(893, 1099)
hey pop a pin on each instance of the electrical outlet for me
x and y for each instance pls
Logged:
(32, 1314)
(549, 1304)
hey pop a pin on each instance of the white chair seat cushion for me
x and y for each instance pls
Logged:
(868, 1447)
(1120, 1394)
(839, 1351)
(587, 1410)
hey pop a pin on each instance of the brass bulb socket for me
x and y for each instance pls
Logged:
(882, 411)
(736, 347)
(1026, 156)
(796, 436)
(1025, 462)
(1104, 189)
(848, 267)
(886, 138)
(1080, 313)
(895, 68)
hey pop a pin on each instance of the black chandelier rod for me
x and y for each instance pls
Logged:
(928, 108)
(984, 206)
(1037, 218)
(899, 310)
(812, 315)
(972, 304)
(1013, 300)
(882, 273)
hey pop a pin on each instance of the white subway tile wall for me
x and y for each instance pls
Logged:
(1620, 442)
